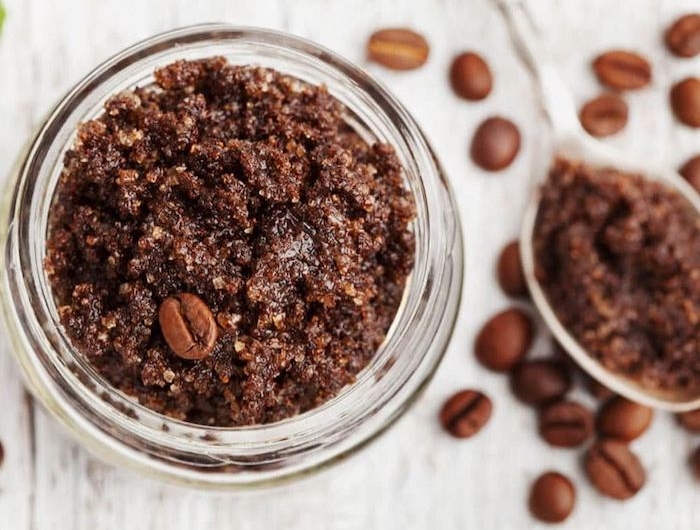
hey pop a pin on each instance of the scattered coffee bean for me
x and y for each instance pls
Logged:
(510, 271)
(613, 469)
(465, 413)
(683, 37)
(2, 454)
(188, 326)
(685, 101)
(540, 381)
(565, 424)
(622, 70)
(495, 144)
(691, 172)
(561, 355)
(398, 48)
(597, 389)
(690, 420)
(470, 76)
(695, 462)
(552, 497)
(624, 419)
(504, 340)
(604, 115)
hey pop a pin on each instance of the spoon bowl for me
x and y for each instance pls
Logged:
(570, 141)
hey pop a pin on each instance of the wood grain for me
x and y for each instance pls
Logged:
(414, 476)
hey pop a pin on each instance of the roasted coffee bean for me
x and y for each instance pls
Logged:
(510, 271)
(695, 462)
(624, 419)
(552, 497)
(504, 340)
(398, 48)
(470, 76)
(691, 172)
(690, 420)
(188, 326)
(565, 424)
(683, 37)
(622, 70)
(495, 144)
(561, 356)
(465, 413)
(2, 454)
(540, 381)
(604, 115)
(597, 389)
(613, 469)
(685, 101)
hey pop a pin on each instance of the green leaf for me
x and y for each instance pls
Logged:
(2, 16)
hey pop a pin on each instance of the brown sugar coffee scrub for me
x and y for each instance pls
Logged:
(233, 258)
(618, 257)
(224, 248)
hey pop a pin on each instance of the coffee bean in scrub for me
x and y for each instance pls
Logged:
(224, 247)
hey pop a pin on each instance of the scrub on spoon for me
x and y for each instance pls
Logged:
(568, 140)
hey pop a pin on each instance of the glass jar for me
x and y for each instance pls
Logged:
(123, 432)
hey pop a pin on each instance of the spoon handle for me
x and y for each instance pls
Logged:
(555, 97)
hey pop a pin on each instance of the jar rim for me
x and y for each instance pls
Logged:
(423, 322)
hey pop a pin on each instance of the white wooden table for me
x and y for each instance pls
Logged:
(414, 476)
